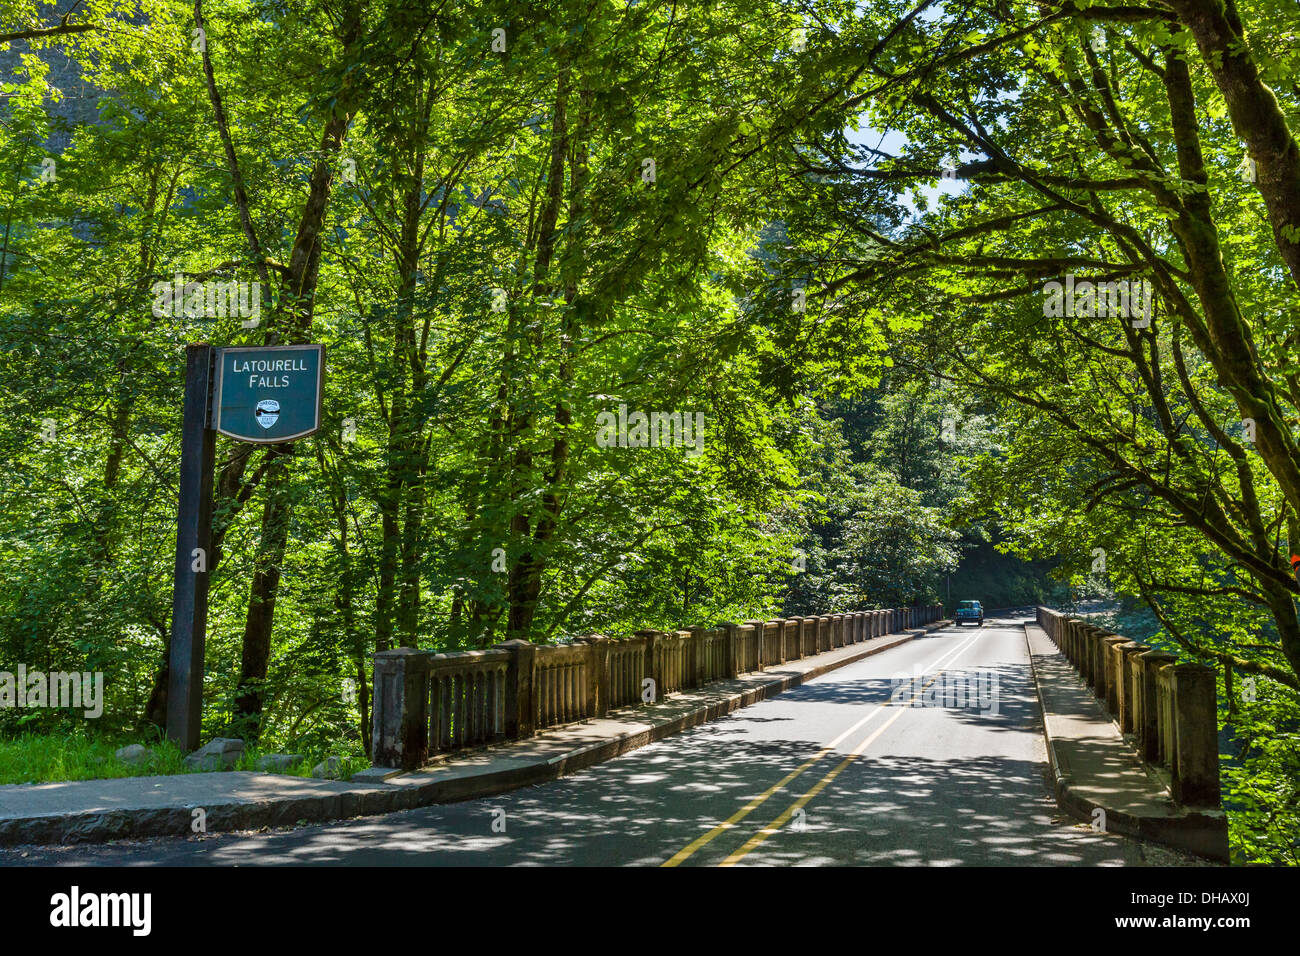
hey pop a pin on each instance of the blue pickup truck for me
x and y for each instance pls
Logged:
(969, 611)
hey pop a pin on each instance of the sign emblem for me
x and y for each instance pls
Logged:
(270, 394)
(267, 412)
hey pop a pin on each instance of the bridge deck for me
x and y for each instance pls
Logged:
(929, 753)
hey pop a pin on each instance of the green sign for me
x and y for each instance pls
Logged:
(270, 394)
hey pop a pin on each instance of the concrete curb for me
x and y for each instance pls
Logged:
(1202, 832)
(385, 791)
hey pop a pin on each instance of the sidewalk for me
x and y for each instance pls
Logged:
(97, 811)
(1094, 766)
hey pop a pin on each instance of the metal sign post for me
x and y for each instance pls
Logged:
(264, 395)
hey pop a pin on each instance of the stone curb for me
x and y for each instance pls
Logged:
(384, 791)
(1201, 832)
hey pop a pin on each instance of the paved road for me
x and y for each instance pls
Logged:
(839, 771)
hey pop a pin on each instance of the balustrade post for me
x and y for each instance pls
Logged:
(731, 650)
(1112, 659)
(400, 720)
(521, 706)
(1148, 731)
(1090, 651)
(1195, 767)
(1130, 701)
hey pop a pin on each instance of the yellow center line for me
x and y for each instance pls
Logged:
(690, 848)
(825, 781)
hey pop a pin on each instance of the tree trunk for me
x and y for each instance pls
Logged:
(256, 654)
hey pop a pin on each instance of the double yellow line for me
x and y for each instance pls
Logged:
(689, 850)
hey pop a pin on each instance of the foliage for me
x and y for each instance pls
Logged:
(506, 222)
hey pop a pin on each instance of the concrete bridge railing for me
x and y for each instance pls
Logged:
(427, 703)
(1169, 707)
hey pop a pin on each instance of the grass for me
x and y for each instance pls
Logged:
(43, 758)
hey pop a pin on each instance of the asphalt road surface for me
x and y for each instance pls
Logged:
(867, 765)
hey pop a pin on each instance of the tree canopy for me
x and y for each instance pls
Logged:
(921, 278)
